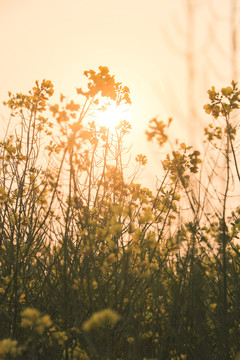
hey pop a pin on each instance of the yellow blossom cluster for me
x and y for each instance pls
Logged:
(100, 319)
(8, 347)
(60, 336)
(32, 318)
(79, 354)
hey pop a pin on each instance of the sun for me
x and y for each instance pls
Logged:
(111, 116)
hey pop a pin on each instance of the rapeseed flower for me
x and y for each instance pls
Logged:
(100, 319)
(8, 347)
(32, 318)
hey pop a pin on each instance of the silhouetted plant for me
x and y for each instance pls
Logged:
(95, 266)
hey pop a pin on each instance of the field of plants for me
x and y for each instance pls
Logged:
(94, 266)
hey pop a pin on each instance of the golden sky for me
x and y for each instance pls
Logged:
(144, 43)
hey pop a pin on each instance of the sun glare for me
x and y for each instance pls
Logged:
(111, 116)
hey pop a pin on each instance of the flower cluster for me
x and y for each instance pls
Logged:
(32, 318)
(100, 319)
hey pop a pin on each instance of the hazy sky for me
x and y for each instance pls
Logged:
(144, 43)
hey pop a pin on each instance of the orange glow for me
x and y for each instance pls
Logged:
(111, 116)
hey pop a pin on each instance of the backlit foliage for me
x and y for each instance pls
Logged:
(95, 266)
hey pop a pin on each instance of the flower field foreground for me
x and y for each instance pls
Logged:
(93, 266)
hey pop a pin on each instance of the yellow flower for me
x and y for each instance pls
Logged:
(227, 91)
(147, 335)
(146, 274)
(131, 340)
(44, 322)
(32, 318)
(79, 354)
(95, 285)
(8, 347)
(101, 319)
(60, 336)
(29, 317)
